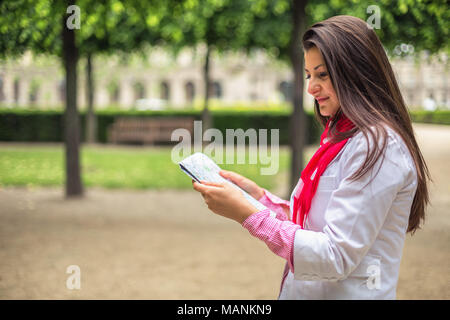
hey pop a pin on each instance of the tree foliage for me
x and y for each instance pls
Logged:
(423, 24)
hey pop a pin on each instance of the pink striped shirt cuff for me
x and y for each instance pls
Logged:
(275, 204)
(277, 234)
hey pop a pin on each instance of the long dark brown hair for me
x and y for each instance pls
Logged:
(368, 95)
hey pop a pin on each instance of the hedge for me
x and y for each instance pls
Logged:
(435, 117)
(26, 125)
(47, 126)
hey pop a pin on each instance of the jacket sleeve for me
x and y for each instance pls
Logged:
(354, 216)
(277, 205)
(277, 234)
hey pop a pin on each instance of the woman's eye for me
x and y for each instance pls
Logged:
(321, 75)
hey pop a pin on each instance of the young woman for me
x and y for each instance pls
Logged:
(343, 230)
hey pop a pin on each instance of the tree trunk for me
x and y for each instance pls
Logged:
(206, 114)
(298, 118)
(91, 119)
(71, 117)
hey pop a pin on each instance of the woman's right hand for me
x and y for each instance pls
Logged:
(245, 184)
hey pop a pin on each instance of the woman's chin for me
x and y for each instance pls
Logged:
(324, 113)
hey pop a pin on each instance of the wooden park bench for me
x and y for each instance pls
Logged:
(147, 130)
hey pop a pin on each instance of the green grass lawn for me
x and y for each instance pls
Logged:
(112, 167)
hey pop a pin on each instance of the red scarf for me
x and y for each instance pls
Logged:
(320, 160)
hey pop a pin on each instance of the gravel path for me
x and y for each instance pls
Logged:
(167, 245)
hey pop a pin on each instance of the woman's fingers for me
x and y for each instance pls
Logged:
(196, 186)
(213, 184)
(206, 186)
(233, 176)
(224, 173)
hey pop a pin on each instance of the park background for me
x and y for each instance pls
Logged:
(124, 212)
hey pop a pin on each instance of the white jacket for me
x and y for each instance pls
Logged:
(352, 243)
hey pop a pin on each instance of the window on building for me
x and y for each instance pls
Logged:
(62, 90)
(34, 91)
(2, 93)
(216, 90)
(189, 89)
(16, 90)
(165, 91)
(410, 95)
(285, 89)
(114, 92)
(139, 90)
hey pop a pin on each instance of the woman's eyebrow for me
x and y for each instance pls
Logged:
(314, 67)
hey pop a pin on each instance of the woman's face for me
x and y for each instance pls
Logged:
(319, 83)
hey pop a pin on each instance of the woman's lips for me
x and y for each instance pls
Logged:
(320, 100)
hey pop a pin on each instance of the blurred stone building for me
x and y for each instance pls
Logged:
(129, 82)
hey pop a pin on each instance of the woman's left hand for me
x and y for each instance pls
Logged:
(225, 200)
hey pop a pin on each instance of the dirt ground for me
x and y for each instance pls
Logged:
(167, 245)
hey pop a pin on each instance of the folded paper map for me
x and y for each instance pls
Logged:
(201, 168)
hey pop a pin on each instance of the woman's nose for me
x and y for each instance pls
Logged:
(313, 88)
